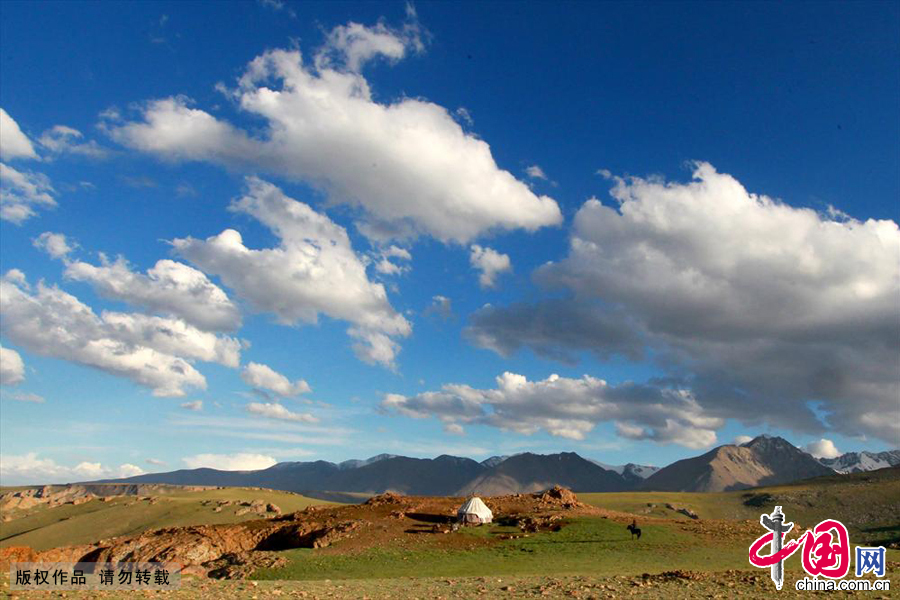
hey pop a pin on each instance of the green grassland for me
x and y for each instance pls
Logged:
(867, 503)
(586, 545)
(69, 524)
(712, 505)
(590, 555)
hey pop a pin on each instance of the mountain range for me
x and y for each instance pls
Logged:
(857, 462)
(764, 460)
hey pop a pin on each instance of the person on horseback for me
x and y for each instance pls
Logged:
(633, 528)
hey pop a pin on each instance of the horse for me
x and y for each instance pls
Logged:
(634, 531)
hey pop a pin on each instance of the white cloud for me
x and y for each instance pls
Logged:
(229, 462)
(92, 470)
(351, 46)
(62, 139)
(156, 462)
(22, 192)
(54, 244)
(490, 262)
(129, 470)
(758, 307)
(535, 172)
(313, 270)
(32, 469)
(13, 142)
(823, 449)
(397, 252)
(742, 439)
(54, 323)
(384, 264)
(24, 397)
(273, 410)
(168, 287)
(173, 336)
(263, 377)
(408, 164)
(12, 368)
(272, 430)
(278, 6)
(565, 407)
(454, 428)
(195, 405)
(464, 115)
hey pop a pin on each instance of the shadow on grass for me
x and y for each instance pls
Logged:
(890, 533)
(430, 518)
(422, 529)
(605, 541)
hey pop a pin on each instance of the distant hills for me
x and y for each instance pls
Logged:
(528, 472)
(764, 460)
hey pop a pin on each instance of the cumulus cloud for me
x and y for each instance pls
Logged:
(313, 270)
(490, 262)
(12, 367)
(129, 470)
(742, 439)
(62, 139)
(823, 449)
(156, 462)
(22, 192)
(51, 322)
(13, 142)
(30, 468)
(566, 407)
(229, 462)
(273, 410)
(168, 287)
(386, 266)
(408, 164)
(349, 47)
(759, 307)
(173, 336)
(54, 244)
(196, 405)
(263, 377)
(555, 329)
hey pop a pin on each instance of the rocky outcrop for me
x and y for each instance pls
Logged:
(214, 550)
(682, 510)
(559, 496)
(20, 501)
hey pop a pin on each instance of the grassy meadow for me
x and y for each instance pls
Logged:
(868, 504)
(69, 525)
(586, 545)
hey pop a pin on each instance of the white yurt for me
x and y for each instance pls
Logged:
(474, 512)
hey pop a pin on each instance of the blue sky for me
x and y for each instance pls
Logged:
(634, 231)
